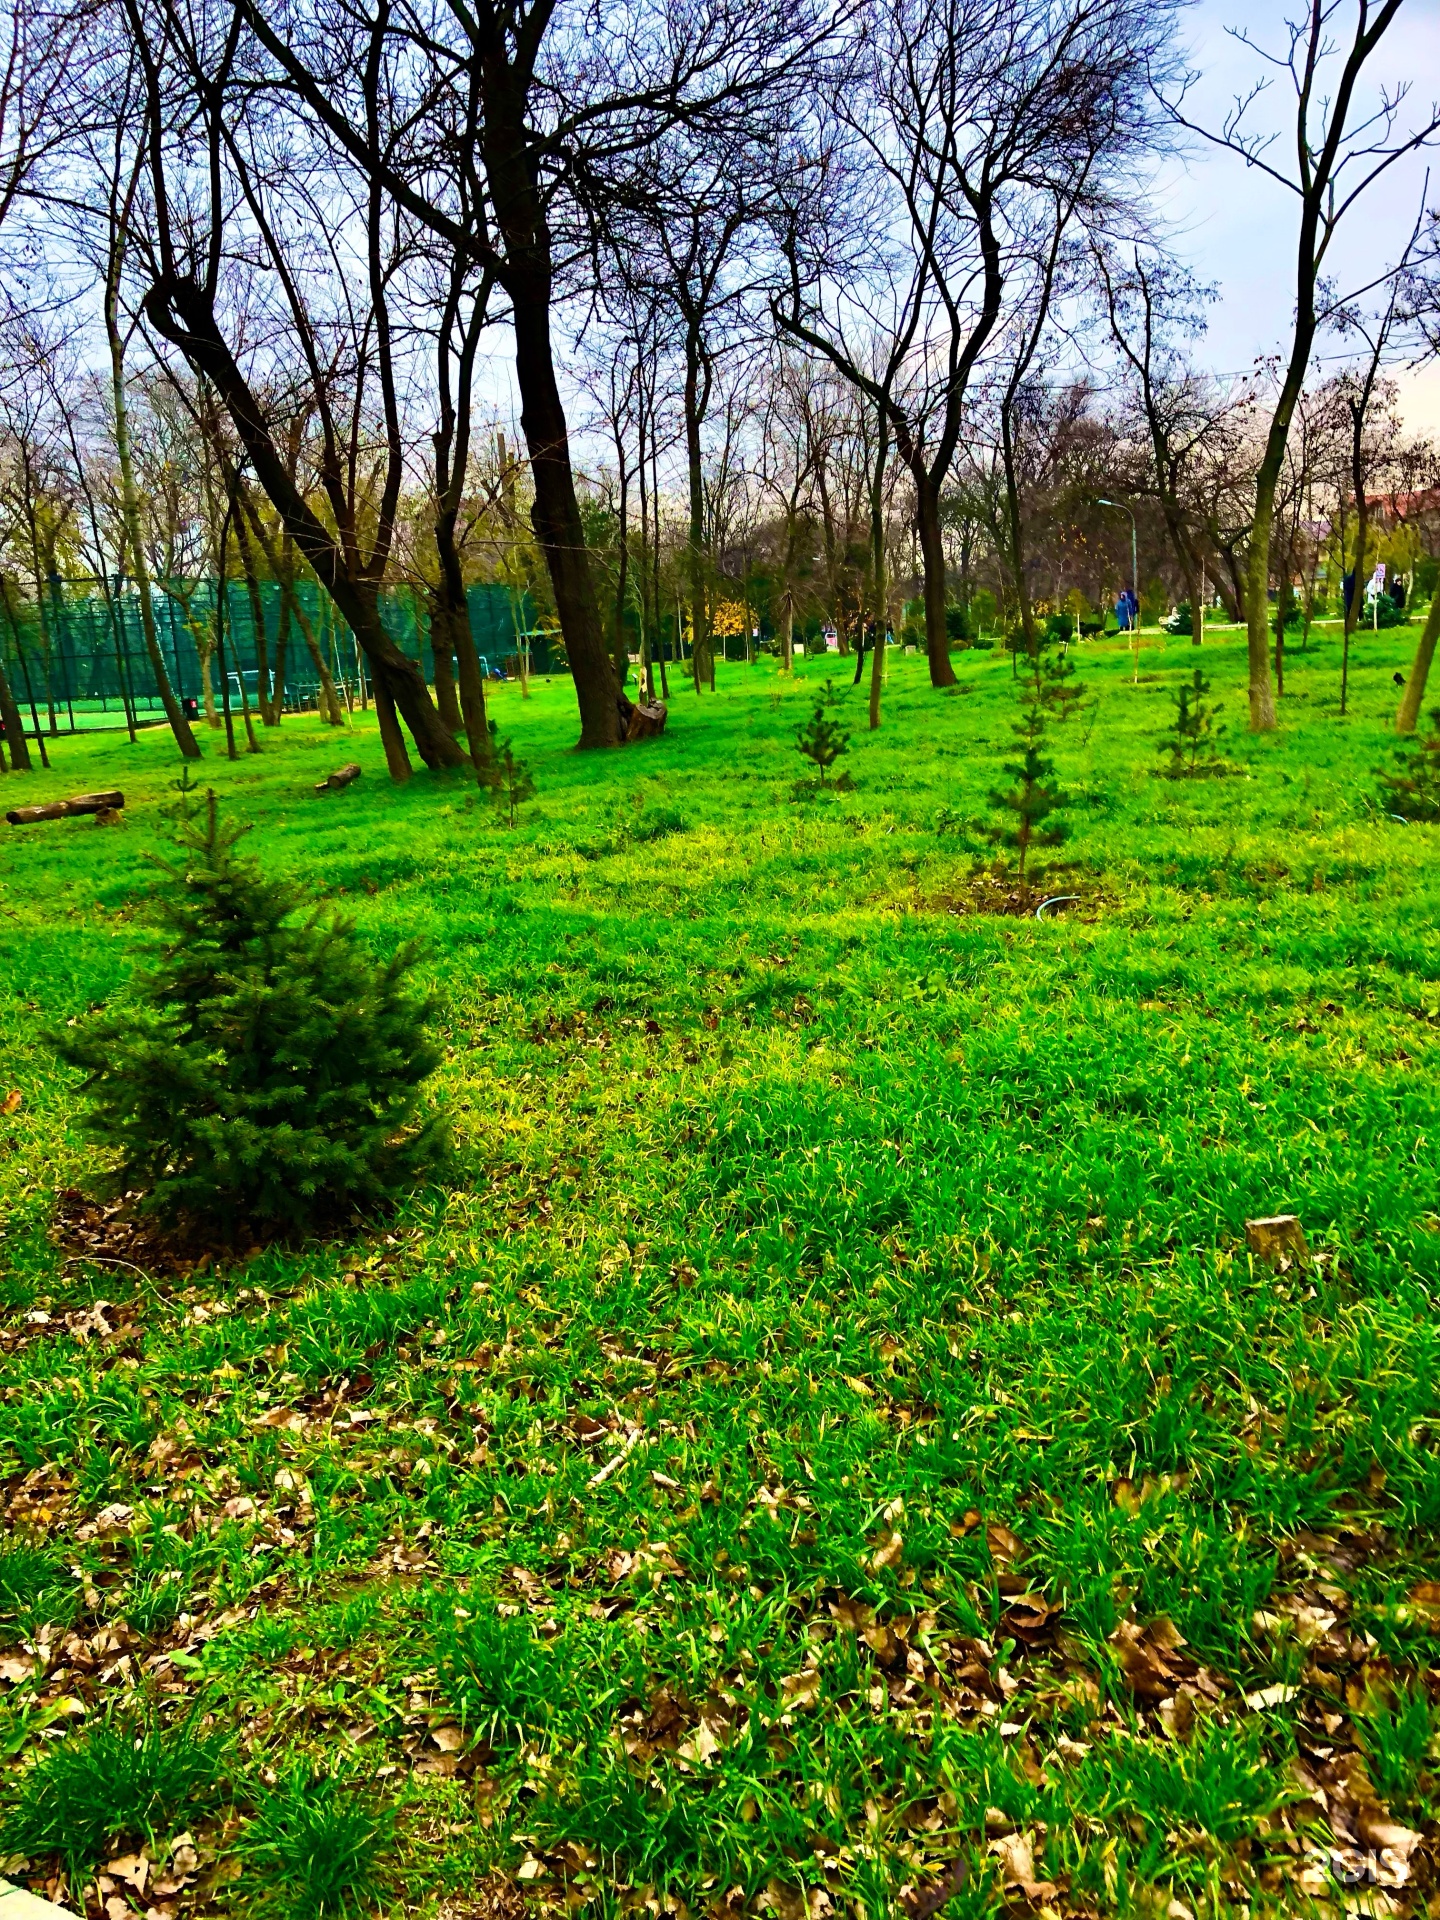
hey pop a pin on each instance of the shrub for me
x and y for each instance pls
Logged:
(268, 1070)
(127, 1778)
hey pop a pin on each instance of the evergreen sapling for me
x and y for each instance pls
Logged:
(822, 739)
(266, 1073)
(1190, 742)
(507, 780)
(1033, 801)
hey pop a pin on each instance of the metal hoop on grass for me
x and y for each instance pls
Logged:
(1056, 900)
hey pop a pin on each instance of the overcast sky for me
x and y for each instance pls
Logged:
(1237, 228)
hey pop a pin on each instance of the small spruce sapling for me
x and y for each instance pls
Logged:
(1033, 801)
(822, 739)
(267, 1072)
(1190, 742)
(508, 780)
(1413, 790)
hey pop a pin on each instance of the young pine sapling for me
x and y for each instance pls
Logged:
(1033, 801)
(1190, 742)
(822, 739)
(508, 780)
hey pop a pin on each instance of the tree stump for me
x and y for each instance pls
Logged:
(340, 778)
(1278, 1239)
(646, 722)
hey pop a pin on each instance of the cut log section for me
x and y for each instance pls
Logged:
(82, 803)
(340, 778)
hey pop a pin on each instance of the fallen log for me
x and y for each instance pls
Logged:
(81, 803)
(340, 778)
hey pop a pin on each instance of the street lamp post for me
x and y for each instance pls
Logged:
(1120, 507)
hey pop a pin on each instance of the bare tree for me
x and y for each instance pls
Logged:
(555, 113)
(1342, 147)
(977, 114)
(348, 366)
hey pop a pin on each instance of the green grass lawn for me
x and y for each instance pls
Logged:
(829, 1427)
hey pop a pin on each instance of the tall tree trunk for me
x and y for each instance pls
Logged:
(1015, 525)
(1414, 694)
(452, 605)
(932, 554)
(282, 643)
(130, 519)
(695, 543)
(268, 717)
(556, 520)
(877, 567)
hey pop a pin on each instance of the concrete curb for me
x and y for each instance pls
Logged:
(17, 1904)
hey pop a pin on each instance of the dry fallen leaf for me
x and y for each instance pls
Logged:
(1276, 1696)
(801, 1689)
(11, 1103)
(1016, 1854)
(132, 1868)
(700, 1747)
(1003, 1544)
(887, 1554)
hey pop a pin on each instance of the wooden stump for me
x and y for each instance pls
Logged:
(1278, 1239)
(646, 721)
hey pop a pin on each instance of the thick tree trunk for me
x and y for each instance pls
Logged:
(442, 648)
(1413, 697)
(14, 726)
(932, 554)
